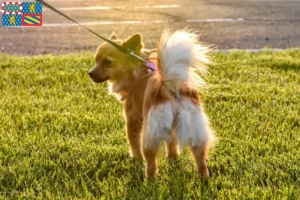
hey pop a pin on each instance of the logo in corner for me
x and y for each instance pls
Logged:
(16, 14)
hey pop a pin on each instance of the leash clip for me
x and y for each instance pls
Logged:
(132, 54)
(150, 65)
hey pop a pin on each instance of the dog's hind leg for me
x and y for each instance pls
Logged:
(193, 129)
(157, 128)
(199, 153)
(150, 156)
(172, 147)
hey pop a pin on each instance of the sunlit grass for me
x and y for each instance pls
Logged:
(63, 136)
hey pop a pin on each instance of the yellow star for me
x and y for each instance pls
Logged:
(32, 8)
(12, 20)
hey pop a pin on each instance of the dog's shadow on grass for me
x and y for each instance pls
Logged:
(171, 174)
(136, 170)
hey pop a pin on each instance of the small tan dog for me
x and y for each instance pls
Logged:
(163, 105)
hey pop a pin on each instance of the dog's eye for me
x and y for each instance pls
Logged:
(106, 62)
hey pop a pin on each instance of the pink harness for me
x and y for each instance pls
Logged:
(151, 66)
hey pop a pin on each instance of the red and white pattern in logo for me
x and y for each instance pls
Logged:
(13, 5)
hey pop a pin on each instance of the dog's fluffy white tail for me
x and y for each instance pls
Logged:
(181, 59)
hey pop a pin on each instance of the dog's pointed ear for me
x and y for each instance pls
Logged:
(134, 42)
(113, 37)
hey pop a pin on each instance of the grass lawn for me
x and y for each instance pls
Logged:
(62, 136)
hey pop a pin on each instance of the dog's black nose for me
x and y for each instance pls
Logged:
(91, 74)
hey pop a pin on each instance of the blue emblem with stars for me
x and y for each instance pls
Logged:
(11, 20)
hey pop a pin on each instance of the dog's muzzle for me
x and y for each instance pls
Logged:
(96, 78)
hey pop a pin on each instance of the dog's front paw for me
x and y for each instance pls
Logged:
(137, 158)
(150, 172)
(203, 172)
(135, 155)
